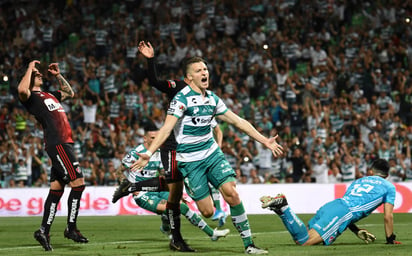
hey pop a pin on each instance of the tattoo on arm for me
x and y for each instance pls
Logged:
(65, 87)
(119, 173)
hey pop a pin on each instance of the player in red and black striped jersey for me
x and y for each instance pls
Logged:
(48, 111)
(173, 176)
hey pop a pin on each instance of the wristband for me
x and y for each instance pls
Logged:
(148, 153)
(391, 239)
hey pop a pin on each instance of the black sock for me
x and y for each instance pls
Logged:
(73, 204)
(50, 209)
(155, 185)
(173, 213)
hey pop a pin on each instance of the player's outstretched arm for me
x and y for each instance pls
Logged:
(248, 128)
(161, 137)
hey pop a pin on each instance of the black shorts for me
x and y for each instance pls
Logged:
(172, 174)
(65, 167)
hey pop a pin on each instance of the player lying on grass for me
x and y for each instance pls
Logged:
(156, 201)
(362, 197)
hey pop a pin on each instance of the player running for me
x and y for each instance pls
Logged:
(200, 159)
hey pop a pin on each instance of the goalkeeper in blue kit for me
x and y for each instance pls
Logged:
(362, 197)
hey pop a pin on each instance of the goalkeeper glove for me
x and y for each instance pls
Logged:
(391, 239)
(366, 236)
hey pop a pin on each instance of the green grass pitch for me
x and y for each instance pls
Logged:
(140, 235)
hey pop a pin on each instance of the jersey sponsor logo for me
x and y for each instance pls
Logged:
(200, 121)
(52, 213)
(52, 105)
(73, 210)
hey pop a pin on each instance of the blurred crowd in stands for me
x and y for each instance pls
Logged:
(331, 77)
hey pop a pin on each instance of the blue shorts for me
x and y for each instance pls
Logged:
(331, 220)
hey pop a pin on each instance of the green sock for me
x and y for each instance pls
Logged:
(195, 219)
(241, 223)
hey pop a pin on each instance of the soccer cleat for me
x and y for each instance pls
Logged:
(180, 246)
(274, 203)
(121, 191)
(219, 233)
(75, 235)
(252, 249)
(222, 220)
(43, 239)
(218, 214)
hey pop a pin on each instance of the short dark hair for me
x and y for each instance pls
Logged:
(380, 167)
(189, 61)
(149, 126)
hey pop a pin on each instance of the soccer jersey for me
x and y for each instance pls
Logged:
(46, 108)
(193, 131)
(151, 170)
(364, 195)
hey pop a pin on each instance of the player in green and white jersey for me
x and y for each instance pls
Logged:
(199, 157)
(156, 201)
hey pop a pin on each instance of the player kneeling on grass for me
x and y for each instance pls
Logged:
(362, 197)
(153, 199)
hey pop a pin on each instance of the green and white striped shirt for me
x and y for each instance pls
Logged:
(152, 169)
(193, 131)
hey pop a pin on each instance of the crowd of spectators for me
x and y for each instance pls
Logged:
(331, 77)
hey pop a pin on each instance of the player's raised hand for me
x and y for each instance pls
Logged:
(32, 64)
(54, 69)
(146, 49)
